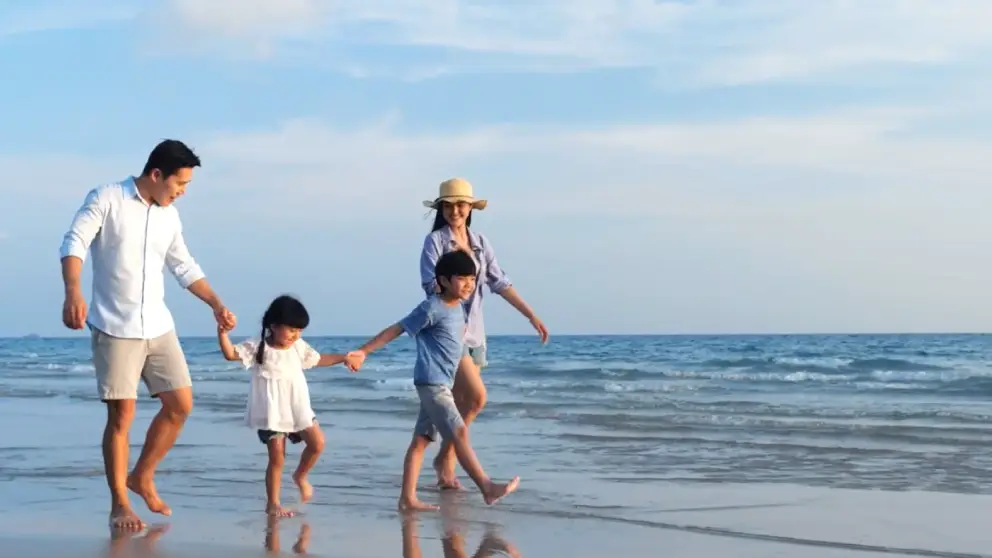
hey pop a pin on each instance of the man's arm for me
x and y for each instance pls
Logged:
(86, 224)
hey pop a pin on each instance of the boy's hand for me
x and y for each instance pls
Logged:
(354, 360)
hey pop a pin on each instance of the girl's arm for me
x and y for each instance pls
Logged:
(330, 359)
(226, 347)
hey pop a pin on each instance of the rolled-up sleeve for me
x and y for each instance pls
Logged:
(428, 259)
(86, 224)
(495, 276)
(179, 261)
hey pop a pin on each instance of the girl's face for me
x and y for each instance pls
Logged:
(456, 213)
(284, 336)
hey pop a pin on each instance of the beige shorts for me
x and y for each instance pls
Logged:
(120, 363)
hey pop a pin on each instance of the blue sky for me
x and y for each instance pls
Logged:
(652, 167)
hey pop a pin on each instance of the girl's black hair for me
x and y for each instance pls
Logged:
(285, 311)
(439, 220)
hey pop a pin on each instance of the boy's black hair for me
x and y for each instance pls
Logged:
(285, 311)
(169, 156)
(454, 264)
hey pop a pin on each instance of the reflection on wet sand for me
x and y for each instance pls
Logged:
(453, 543)
(127, 544)
(272, 536)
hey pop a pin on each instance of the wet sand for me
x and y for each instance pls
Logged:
(739, 521)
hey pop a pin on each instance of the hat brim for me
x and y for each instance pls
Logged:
(476, 204)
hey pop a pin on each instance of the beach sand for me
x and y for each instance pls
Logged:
(55, 504)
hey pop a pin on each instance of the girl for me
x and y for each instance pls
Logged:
(279, 399)
(454, 204)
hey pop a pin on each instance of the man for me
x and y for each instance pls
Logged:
(133, 232)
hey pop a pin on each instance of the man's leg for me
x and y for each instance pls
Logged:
(118, 364)
(167, 377)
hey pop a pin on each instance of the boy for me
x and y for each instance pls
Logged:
(438, 326)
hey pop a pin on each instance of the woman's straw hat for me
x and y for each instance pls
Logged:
(456, 190)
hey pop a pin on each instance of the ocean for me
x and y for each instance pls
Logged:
(874, 412)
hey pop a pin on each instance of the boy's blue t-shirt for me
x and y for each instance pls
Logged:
(439, 331)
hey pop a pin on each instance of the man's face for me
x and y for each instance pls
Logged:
(166, 190)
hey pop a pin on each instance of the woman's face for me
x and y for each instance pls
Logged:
(456, 213)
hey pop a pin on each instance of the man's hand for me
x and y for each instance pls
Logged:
(225, 318)
(74, 309)
(354, 360)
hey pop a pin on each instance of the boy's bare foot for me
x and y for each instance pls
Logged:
(123, 518)
(306, 489)
(444, 480)
(495, 492)
(275, 510)
(146, 489)
(408, 505)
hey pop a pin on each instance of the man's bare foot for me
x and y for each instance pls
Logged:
(414, 505)
(306, 489)
(445, 480)
(275, 510)
(123, 519)
(495, 492)
(146, 489)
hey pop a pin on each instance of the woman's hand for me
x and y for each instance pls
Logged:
(542, 331)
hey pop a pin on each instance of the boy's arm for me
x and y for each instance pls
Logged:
(226, 347)
(384, 337)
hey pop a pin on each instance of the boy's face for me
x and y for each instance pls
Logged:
(284, 336)
(458, 286)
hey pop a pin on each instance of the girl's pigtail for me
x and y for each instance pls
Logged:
(260, 353)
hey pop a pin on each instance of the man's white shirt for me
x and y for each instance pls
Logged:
(130, 242)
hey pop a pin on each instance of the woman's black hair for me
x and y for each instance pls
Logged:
(285, 311)
(439, 220)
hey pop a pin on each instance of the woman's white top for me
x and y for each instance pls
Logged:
(279, 399)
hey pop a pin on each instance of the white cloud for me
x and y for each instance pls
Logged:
(844, 220)
(708, 42)
(851, 208)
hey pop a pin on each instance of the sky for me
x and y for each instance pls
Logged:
(692, 166)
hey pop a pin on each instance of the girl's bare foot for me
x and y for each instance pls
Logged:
(146, 489)
(495, 492)
(276, 510)
(306, 489)
(123, 518)
(414, 504)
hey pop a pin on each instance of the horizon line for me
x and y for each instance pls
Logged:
(570, 335)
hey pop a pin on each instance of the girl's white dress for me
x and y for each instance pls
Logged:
(279, 399)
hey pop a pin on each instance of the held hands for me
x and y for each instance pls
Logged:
(74, 310)
(354, 360)
(226, 320)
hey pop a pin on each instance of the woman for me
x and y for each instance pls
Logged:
(454, 205)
